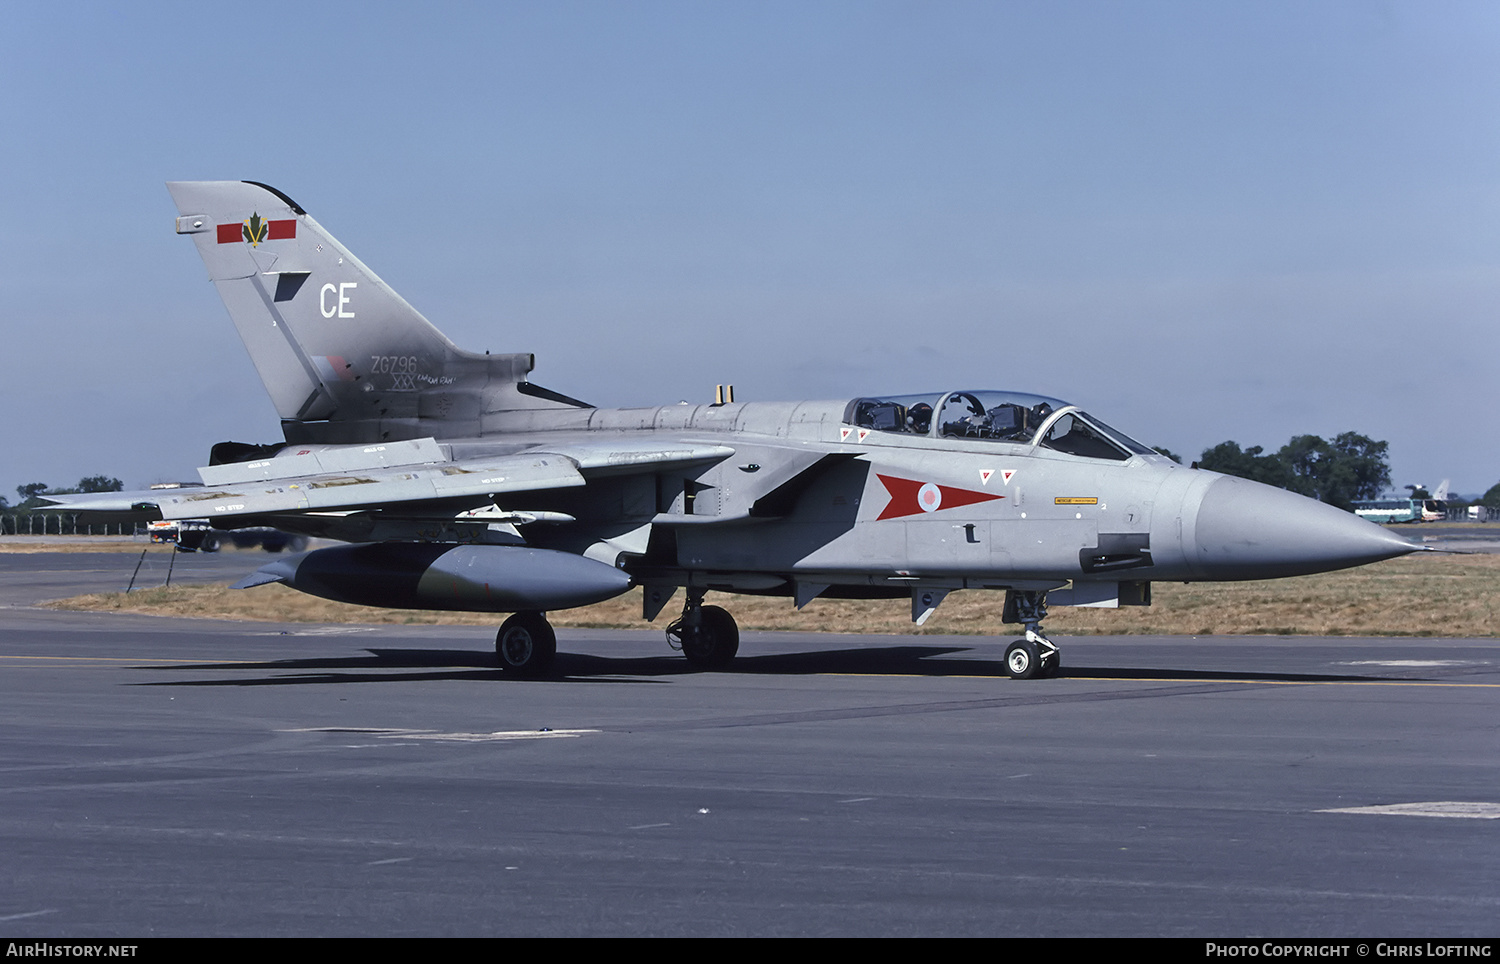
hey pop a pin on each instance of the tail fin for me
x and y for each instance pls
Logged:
(343, 356)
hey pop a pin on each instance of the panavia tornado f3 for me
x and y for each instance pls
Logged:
(459, 484)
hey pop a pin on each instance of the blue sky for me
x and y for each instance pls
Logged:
(1202, 221)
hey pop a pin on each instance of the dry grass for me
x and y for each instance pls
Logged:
(25, 544)
(1425, 595)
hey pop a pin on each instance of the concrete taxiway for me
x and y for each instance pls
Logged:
(190, 777)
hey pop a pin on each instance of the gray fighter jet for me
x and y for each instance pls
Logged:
(462, 485)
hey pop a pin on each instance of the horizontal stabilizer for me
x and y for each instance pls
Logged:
(282, 570)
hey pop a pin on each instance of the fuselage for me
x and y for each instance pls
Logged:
(811, 496)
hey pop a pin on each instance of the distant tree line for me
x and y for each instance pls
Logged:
(1350, 467)
(31, 516)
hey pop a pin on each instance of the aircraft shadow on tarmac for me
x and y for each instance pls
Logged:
(387, 665)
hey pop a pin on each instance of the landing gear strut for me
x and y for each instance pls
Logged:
(707, 635)
(526, 644)
(1035, 656)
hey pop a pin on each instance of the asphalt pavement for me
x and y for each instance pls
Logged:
(163, 777)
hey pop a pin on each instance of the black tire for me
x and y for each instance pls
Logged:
(715, 643)
(1022, 661)
(526, 644)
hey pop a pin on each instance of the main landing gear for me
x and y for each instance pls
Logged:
(707, 635)
(526, 644)
(1035, 656)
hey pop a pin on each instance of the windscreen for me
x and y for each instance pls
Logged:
(1078, 433)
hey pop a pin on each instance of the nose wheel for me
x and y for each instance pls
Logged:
(1034, 657)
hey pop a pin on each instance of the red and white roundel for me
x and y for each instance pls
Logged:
(910, 497)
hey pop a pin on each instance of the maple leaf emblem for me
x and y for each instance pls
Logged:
(256, 229)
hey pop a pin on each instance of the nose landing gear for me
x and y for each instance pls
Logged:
(1035, 656)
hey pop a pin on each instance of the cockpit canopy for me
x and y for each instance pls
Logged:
(1013, 417)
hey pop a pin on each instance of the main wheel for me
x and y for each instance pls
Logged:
(716, 641)
(1022, 660)
(526, 644)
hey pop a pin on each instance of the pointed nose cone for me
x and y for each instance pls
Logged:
(1246, 530)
